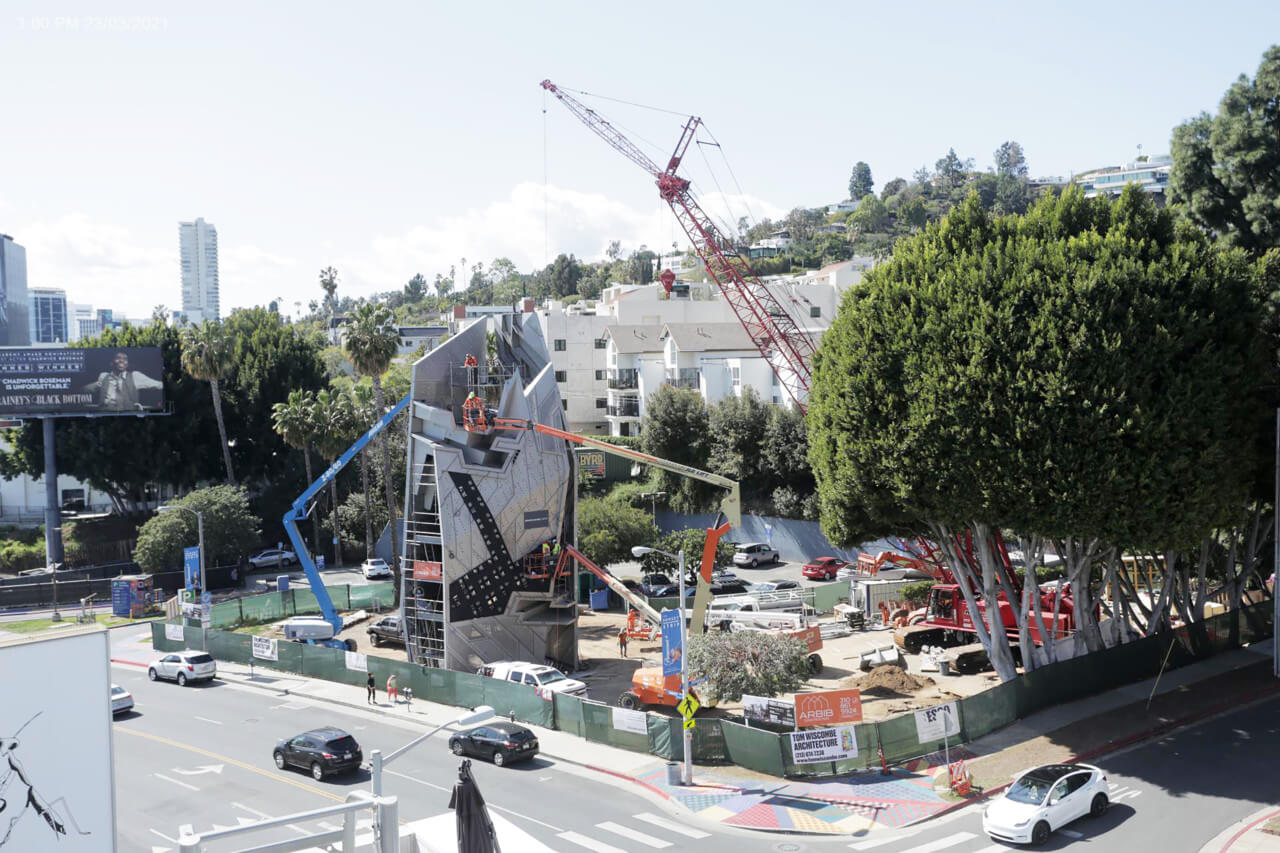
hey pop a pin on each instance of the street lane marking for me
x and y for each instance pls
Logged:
(175, 782)
(162, 835)
(995, 848)
(489, 803)
(590, 843)
(873, 843)
(671, 825)
(633, 834)
(1127, 795)
(262, 815)
(207, 720)
(941, 843)
(227, 759)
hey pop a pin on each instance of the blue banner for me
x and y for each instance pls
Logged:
(191, 566)
(672, 641)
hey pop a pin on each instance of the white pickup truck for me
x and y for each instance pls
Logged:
(534, 675)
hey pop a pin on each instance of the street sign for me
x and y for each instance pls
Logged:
(10, 423)
(688, 706)
(690, 723)
(206, 599)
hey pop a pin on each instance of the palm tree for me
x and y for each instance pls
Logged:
(294, 420)
(363, 408)
(333, 423)
(206, 356)
(371, 343)
(329, 284)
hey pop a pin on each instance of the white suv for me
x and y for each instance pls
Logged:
(753, 554)
(375, 567)
(534, 675)
(183, 667)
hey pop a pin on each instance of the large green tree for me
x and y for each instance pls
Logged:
(1087, 373)
(206, 355)
(1226, 167)
(738, 424)
(860, 182)
(372, 340)
(608, 528)
(752, 662)
(676, 427)
(295, 421)
(335, 429)
(230, 530)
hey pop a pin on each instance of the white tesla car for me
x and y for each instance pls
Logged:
(1046, 799)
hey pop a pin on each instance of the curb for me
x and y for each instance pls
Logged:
(1129, 740)
(1267, 814)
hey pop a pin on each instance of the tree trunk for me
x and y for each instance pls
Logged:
(379, 402)
(315, 522)
(368, 517)
(222, 431)
(1202, 589)
(337, 537)
(997, 643)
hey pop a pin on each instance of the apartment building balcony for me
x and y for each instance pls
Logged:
(684, 377)
(624, 407)
(624, 379)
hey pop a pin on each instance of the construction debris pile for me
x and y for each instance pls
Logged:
(888, 679)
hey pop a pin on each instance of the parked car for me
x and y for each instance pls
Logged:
(502, 743)
(753, 554)
(775, 586)
(121, 700)
(648, 583)
(273, 558)
(43, 570)
(323, 751)
(730, 588)
(672, 591)
(823, 568)
(375, 567)
(535, 675)
(1045, 799)
(183, 667)
(386, 630)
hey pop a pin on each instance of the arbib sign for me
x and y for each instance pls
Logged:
(828, 707)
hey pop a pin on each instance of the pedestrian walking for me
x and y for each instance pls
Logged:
(372, 688)
(393, 695)
(622, 642)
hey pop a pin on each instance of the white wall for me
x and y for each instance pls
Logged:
(581, 362)
(22, 498)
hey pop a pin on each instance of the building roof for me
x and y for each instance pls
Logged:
(701, 337)
(634, 338)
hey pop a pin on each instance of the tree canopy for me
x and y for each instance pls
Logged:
(608, 528)
(230, 530)
(860, 182)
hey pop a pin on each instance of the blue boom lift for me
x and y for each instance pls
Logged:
(323, 631)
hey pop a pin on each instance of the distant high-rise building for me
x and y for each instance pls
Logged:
(48, 316)
(198, 244)
(13, 294)
(82, 322)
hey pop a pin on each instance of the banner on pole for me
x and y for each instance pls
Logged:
(938, 722)
(672, 641)
(264, 648)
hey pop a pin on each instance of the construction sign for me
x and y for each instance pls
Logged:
(828, 707)
(690, 723)
(427, 570)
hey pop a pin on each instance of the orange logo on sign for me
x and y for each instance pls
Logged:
(424, 570)
(828, 707)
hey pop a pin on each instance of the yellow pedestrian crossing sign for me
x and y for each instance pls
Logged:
(688, 707)
(690, 723)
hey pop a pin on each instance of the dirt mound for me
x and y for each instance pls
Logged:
(888, 678)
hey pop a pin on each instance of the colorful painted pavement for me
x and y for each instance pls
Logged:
(855, 803)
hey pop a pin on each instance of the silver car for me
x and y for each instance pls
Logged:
(753, 554)
(121, 700)
(183, 667)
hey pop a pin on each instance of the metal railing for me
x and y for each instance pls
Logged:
(386, 824)
(624, 409)
(685, 377)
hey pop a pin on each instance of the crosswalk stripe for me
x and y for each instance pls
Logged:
(590, 843)
(941, 843)
(633, 834)
(671, 825)
(873, 843)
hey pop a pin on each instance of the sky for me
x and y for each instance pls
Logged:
(400, 138)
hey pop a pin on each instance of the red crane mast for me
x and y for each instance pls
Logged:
(788, 348)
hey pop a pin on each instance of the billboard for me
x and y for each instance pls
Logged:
(67, 381)
(56, 745)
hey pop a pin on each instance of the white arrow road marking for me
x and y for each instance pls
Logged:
(246, 821)
(208, 768)
(489, 804)
(1127, 795)
(590, 843)
(671, 825)
(185, 829)
(328, 827)
(165, 837)
(941, 843)
(161, 849)
(873, 843)
(262, 815)
(207, 720)
(176, 782)
(634, 835)
(995, 848)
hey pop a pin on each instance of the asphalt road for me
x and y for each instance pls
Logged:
(201, 755)
(1172, 795)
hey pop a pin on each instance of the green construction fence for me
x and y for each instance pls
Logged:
(725, 741)
(274, 606)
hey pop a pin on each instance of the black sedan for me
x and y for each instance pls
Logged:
(501, 742)
(322, 751)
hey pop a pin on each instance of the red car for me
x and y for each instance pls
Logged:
(823, 568)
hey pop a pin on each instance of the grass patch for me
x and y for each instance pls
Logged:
(256, 630)
(1272, 826)
(31, 626)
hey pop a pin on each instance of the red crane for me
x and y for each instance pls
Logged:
(787, 347)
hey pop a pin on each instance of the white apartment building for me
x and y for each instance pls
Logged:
(82, 322)
(198, 248)
(603, 389)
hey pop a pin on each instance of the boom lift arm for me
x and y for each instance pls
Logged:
(299, 511)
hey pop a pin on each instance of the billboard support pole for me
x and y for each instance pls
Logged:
(52, 507)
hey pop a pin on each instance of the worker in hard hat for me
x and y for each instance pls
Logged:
(473, 369)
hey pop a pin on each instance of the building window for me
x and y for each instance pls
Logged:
(562, 375)
(775, 379)
(815, 311)
(560, 345)
(599, 375)
(735, 377)
(602, 402)
(564, 404)
(601, 343)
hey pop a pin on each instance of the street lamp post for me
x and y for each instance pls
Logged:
(478, 715)
(653, 502)
(199, 532)
(687, 733)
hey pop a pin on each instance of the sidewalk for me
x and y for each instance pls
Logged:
(866, 802)
(1252, 835)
